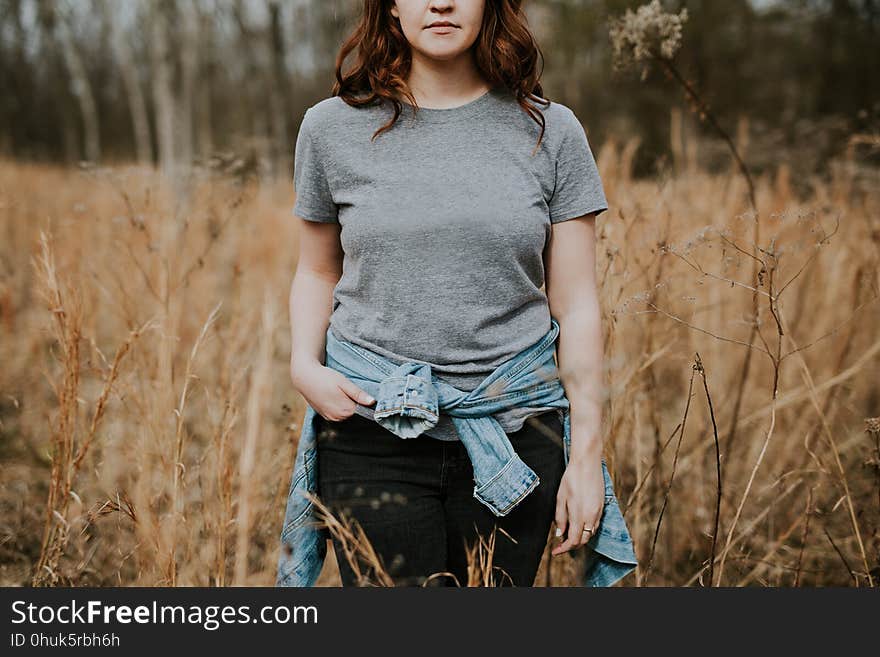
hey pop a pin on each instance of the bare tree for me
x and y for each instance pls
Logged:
(255, 81)
(137, 104)
(53, 15)
(189, 67)
(163, 94)
(204, 114)
(14, 79)
(279, 96)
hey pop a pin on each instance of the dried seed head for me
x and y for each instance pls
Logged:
(645, 34)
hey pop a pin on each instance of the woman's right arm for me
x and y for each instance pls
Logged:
(330, 393)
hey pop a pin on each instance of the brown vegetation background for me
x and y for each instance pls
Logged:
(147, 421)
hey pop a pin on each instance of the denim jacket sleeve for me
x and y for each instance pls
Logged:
(303, 537)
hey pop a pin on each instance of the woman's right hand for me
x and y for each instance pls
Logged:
(332, 394)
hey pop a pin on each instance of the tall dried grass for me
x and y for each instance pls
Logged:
(167, 463)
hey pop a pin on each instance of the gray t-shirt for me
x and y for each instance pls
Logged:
(444, 219)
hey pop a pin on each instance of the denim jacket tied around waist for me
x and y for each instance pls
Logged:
(408, 401)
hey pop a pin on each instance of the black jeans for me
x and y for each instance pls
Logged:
(414, 500)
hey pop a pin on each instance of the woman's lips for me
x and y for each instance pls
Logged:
(441, 29)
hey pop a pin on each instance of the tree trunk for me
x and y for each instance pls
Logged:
(204, 116)
(255, 82)
(279, 96)
(189, 66)
(82, 88)
(163, 95)
(57, 89)
(137, 104)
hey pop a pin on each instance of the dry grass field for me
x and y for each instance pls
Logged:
(148, 424)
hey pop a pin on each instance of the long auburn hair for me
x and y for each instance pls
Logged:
(505, 52)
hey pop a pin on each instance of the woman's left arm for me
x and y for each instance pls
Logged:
(571, 288)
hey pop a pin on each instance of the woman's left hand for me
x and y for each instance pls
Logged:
(579, 503)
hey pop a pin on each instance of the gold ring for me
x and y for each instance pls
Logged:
(587, 529)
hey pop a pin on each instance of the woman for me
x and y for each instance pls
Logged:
(438, 194)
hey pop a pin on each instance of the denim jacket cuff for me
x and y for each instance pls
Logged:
(508, 488)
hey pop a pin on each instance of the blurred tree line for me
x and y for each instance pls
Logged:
(214, 81)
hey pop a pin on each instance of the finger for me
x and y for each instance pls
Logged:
(354, 391)
(577, 532)
(569, 534)
(594, 525)
(585, 536)
(570, 543)
(578, 536)
(561, 516)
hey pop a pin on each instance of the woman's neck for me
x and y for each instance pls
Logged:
(443, 84)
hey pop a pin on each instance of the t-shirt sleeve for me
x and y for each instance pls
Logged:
(578, 190)
(314, 200)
